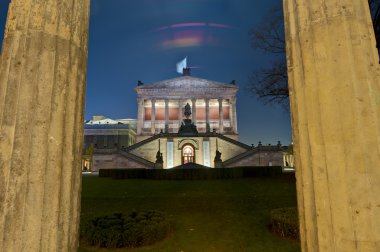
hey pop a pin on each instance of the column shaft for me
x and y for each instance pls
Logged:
(334, 88)
(180, 104)
(194, 110)
(166, 115)
(153, 117)
(221, 127)
(233, 114)
(141, 116)
(42, 90)
(207, 101)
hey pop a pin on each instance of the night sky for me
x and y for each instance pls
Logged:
(133, 40)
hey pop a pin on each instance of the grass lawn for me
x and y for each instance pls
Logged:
(207, 215)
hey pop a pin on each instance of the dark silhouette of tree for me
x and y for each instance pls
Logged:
(270, 84)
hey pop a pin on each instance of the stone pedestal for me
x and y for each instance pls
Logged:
(42, 90)
(334, 87)
(158, 165)
(218, 164)
(187, 128)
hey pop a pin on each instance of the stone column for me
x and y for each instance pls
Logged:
(166, 115)
(194, 110)
(153, 117)
(334, 87)
(42, 90)
(180, 112)
(221, 127)
(207, 101)
(140, 115)
(233, 118)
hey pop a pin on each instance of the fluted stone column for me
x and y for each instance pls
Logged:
(140, 115)
(166, 115)
(153, 117)
(194, 110)
(233, 115)
(207, 101)
(180, 104)
(42, 90)
(221, 127)
(334, 85)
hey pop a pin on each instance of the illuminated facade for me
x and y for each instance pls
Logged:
(205, 134)
(161, 106)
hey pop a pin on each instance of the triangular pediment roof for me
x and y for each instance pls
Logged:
(185, 82)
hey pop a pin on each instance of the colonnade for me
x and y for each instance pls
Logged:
(181, 103)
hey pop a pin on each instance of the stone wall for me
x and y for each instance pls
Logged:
(111, 161)
(265, 158)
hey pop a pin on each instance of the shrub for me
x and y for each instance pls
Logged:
(262, 171)
(284, 222)
(117, 230)
(192, 174)
(105, 173)
(128, 173)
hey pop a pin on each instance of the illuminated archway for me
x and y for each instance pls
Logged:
(188, 154)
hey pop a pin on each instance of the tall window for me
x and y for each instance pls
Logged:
(188, 154)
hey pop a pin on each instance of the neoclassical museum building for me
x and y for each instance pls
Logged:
(185, 120)
(161, 106)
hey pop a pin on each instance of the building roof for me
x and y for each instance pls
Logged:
(107, 126)
(104, 121)
(186, 83)
(107, 121)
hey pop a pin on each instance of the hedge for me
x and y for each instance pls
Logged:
(284, 222)
(118, 231)
(192, 174)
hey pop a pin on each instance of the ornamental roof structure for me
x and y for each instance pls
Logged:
(186, 86)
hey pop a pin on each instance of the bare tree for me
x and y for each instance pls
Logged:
(270, 84)
(269, 36)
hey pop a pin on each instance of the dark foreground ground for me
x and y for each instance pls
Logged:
(209, 215)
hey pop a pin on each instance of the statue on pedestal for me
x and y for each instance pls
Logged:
(187, 111)
(218, 159)
(159, 158)
(187, 127)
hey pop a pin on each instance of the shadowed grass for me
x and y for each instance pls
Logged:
(213, 215)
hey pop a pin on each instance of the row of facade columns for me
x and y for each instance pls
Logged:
(141, 112)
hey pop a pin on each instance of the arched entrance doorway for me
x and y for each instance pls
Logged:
(188, 154)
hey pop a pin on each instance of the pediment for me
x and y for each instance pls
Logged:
(186, 82)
